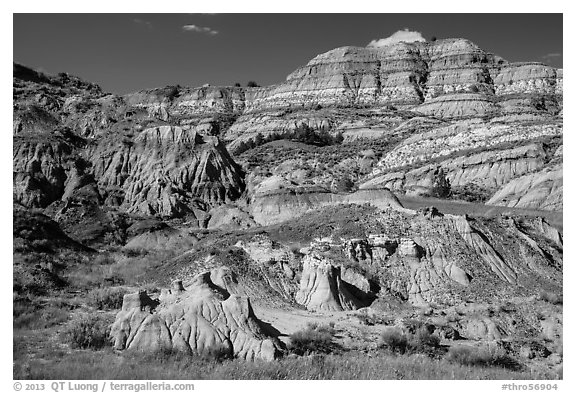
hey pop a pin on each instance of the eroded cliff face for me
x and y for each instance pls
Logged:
(445, 104)
(167, 170)
(434, 258)
(69, 135)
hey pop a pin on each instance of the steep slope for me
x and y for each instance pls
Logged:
(166, 170)
(69, 135)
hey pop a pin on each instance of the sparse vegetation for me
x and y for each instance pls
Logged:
(373, 319)
(106, 298)
(440, 184)
(420, 341)
(314, 339)
(471, 192)
(29, 315)
(551, 297)
(136, 365)
(88, 331)
(303, 133)
(394, 340)
(470, 356)
(134, 252)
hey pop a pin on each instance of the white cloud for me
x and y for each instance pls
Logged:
(142, 22)
(199, 29)
(400, 36)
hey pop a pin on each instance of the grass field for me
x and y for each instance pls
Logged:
(86, 364)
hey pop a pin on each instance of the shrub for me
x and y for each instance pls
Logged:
(88, 331)
(551, 297)
(394, 340)
(106, 298)
(252, 84)
(418, 340)
(470, 356)
(440, 184)
(314, 339)
(134, 252)
(471, 192)
(424, 342)
(104, 258)
(371, 320)
(218, 354)
(35, 317)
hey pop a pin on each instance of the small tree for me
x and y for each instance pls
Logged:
(252, 84)
(237, 84)
(440, 184)
(259, 140)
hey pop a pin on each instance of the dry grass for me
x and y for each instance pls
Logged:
(133, 365)
(470, 356)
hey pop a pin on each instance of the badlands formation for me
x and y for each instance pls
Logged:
(266, 201)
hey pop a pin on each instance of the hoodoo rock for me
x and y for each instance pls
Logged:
(201, 318)
(321, 287)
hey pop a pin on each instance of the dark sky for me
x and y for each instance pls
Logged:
(128, 52)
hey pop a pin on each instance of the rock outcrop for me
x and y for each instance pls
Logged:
(322, 288)
(169, 171)
(202, 318)
(163, 238)
(444, 259)
(542, 189)
(72, 135)
(274, 206)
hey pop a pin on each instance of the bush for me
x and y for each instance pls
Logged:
(420, 341)
(104, 258)
(32, 316)
(88, 331)
(424, 342)
(106, 298)
(315, 339)
(551, 297)
(440, 184)
(394, 340)
(471, 192)
(470, 356)
(217, 353)
(134, 252)
(371, 320)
